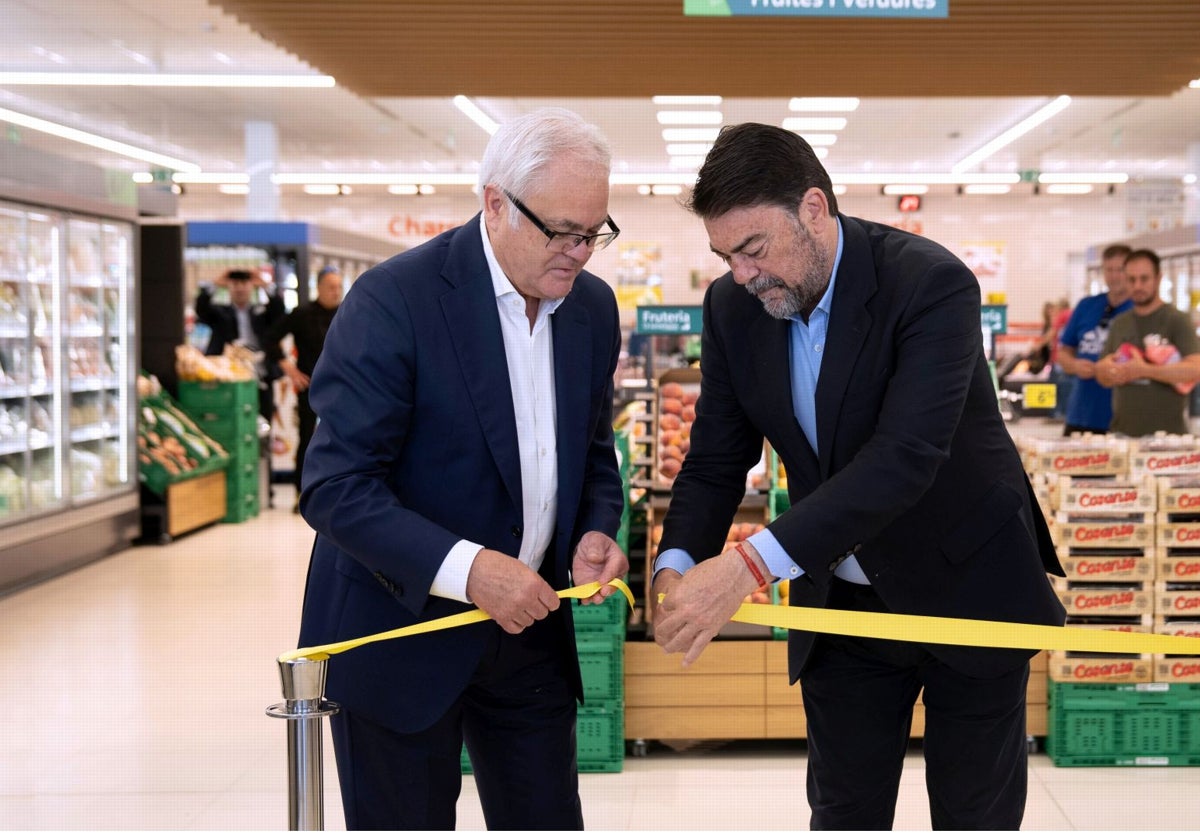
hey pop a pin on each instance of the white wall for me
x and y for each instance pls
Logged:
(1034, 242)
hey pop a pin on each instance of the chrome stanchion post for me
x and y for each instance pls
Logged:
(303, 707)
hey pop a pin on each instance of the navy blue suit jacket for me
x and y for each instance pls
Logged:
(416, 448)
(917, 475)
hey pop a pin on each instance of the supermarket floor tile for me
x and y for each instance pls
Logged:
(141, 683)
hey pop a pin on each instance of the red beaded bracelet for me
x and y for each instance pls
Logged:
(751, 565)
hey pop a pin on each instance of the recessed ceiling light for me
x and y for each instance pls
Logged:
(986, 189)
(905, 189)
(1069, 189)
(1083, 178)
(402, 189)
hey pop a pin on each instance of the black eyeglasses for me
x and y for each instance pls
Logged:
(557, 240)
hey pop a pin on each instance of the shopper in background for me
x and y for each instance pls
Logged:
(307, 325)
(855, 349)
(243, 321)
(1089, 404)
(1062, 382)
(1151, 356)
(465, 455)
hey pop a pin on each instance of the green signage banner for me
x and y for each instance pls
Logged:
(669, 320)
(994, 317)
(818, 8)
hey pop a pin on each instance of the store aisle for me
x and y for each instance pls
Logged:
(135, 690)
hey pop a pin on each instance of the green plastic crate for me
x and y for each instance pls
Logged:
(608, 616)
(1123, 725)
(600, 737)
(217, 395)
(601, 666)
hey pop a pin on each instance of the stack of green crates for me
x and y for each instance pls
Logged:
(600, 641)
(228, 413)
(1123, 725)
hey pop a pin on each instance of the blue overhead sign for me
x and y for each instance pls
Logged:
(818, 8)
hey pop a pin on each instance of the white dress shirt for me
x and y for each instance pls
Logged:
(530, 356)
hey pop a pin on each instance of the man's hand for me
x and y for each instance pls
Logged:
(698, 604)
(1084, 369)
(514, 595)
(300, 380)
(598, 558)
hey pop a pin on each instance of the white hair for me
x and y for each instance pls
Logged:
(521, 148)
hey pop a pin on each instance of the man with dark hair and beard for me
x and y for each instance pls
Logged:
(858, 354)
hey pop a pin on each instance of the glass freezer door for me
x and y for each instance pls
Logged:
(98, 330)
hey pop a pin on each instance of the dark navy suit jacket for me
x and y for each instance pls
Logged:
(917, 475)
(416, 448)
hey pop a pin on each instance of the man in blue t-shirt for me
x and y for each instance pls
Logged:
(1089, 408)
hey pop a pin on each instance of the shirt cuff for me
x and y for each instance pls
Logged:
(773, 554)
(451, 579)
(675, 559)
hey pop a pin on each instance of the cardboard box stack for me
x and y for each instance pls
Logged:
(1125, 515)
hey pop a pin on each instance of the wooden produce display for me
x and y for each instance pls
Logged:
(740, 689)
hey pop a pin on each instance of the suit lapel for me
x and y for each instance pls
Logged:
(572, 340)
(848, 325)
(771, 357)
(474, 325)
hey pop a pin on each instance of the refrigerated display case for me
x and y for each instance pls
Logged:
(68, 483)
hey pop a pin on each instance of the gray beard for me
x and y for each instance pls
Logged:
(795, 301)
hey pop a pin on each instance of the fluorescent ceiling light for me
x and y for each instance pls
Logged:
(690, 135)
(1189, 178)
(814, 139)
(643, 189)
(1083, 178)
(477, 116)
(823, 103)
(210, 178)
(95, 141)
(874, 179)
(986, 189)
(377, 178)
(142, 178)
(1020, 129)
(666, 189)
(905, 189)
(322, 189)
(402, 189)
(234, 189)
(803, 124)
(674, 149)
(1194, 83)
(690, 117)
(426, 189)
(205, 80)
(840, 189)
(1068, 189)
(686, 100)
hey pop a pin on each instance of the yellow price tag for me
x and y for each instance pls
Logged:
(1039, 396)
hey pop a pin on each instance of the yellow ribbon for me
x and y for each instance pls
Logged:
(586, 590)
(890, 626)
(963, 631)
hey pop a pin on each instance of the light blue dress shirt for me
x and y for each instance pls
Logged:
(807, 344)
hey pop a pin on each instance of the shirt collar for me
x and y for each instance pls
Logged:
(825, 304)
(501, 285)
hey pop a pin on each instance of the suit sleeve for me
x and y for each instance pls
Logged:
(206, 312)
(724, 446)
(602, 503)
(363, 392)
(275, 333)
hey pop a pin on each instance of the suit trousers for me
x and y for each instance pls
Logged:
(858, 699)
(517, 716)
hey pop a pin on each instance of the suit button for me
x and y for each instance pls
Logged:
(834, 565)
(855, 550)
(516, 531)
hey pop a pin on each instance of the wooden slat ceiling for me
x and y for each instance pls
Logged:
(637, 48)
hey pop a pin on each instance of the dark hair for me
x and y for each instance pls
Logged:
(329, 269)
(752, 164)
(1145, 254)
(1119, 249)
(240, 274)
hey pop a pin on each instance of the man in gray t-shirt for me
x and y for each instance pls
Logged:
(1151, 356)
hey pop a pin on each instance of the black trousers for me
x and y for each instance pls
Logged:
(858, 699)
(517, 716)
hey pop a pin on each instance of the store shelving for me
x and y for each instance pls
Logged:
(68, 487)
